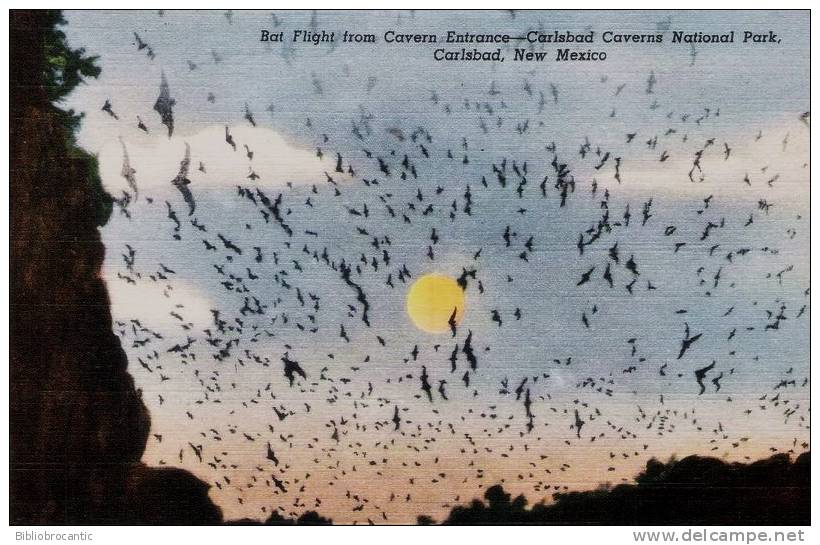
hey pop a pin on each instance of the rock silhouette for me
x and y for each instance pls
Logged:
(78, 426)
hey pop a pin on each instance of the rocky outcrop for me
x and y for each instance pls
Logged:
(78, 426)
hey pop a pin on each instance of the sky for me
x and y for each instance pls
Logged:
(443, 132)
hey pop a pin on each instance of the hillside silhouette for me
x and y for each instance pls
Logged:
(693, 490)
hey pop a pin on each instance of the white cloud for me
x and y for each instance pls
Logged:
(156, 159)
(146, 302)
(762, 159)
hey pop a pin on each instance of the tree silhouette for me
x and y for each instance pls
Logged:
(65, 68)
(694, 490)
(309, 518)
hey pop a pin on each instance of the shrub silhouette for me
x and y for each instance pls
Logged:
(694, 490)
(309, 518)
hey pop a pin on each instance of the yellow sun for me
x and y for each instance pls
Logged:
(431, 301)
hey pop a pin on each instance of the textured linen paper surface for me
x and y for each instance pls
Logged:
(399, 267)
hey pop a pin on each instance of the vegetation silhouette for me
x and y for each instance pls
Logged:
(308, 518)
(63, 69)
(694, 490)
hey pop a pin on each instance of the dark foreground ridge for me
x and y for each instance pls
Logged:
(78, 426)
(694, 490)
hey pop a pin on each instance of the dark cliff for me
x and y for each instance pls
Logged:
(78, 426)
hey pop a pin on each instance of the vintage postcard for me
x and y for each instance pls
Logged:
(409, 267)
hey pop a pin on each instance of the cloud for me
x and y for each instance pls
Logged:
(781, 151)
(156, 160)
(148, 304)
